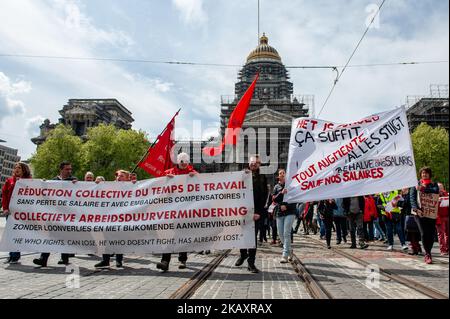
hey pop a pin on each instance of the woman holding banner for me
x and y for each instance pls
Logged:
(21, 170)
(426, 221)
(285, 215)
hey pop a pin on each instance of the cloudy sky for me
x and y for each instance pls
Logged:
(305, 32)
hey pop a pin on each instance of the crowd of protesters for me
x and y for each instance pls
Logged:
(376, 217)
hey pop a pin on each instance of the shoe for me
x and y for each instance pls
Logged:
(102, 264)
(14, 261)
(345, 240)
(338, 242)
(40, 262)
(444, 254)
(119, 264)
(63, 262)
(390, 248)
(253, 269)
(8, 261)
(428, 259)
(404, 247)
(182, 265)
(353, 247)
(207, 252)
(240, 261)
(363, 246)
(291, 257)
(163, 265)
(283, 260)
(385, 241)
(329, 247)
(273, 242)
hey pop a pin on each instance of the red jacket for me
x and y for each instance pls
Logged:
(177, 171)
(370, 209)
(7, 191)
(442, 210)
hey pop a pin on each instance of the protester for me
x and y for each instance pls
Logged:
(370, 214)
(340, 221)
(392, 218)
(21, 170)
(99, 179)
(412, 232)
(121, 176)
(65, 174)
(379, 227)
(442, 220)
(354, 209)
(285, 214)
(427, 226)
(273, 222)
(300, 210)
(89, 177)
(326, 209)
(259, 198)
(182, 168)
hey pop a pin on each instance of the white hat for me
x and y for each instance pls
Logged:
(183, 157)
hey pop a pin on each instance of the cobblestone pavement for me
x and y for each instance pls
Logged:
(275, 280)
(342, 277)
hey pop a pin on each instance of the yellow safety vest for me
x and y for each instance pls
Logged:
(385, 201)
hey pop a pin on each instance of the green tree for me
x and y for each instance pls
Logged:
(431, 149)
(61, 145)
(108, 149)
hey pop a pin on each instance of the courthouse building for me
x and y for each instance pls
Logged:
(273, 106)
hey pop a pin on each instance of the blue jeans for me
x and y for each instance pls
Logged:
(322, 227)
(390, 224)
(378, 230)
(284, 225)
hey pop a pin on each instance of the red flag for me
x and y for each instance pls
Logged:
(235, 123)
(158, 156)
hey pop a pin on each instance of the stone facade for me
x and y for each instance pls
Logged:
(8, 157)
(81, 114)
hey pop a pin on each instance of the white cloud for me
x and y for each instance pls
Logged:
(191, 11)
(8, 90)
(32, 125)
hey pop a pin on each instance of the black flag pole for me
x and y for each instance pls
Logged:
(151, 146)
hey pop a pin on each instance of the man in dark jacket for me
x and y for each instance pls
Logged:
(354, 209)
(65, 174)
(260, 193)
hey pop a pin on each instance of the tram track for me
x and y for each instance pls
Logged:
(188, 289)
(416, 286)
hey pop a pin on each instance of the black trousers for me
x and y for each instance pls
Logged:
(107, 257)
(182, 257)
(356, 227)
(251, 253)
(427, 229)
(341, 228)
(328, 222)
(64, 257)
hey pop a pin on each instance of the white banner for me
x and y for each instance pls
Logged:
(330, 160)
(161, 215)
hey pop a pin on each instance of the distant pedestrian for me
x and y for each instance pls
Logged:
(326, 209)
(340, 221)
(354, 209)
